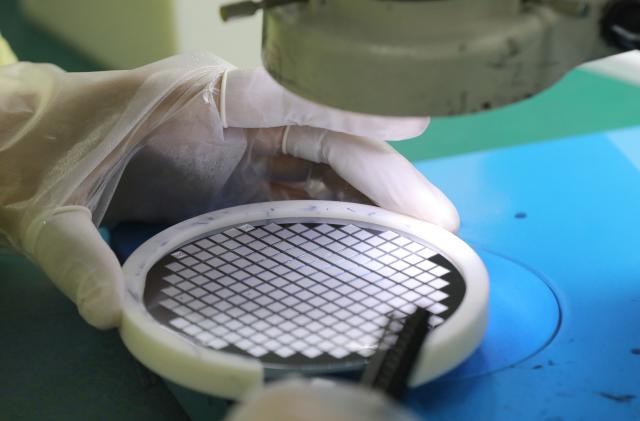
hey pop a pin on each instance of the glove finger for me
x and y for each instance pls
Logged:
(324, 183)
(252, 99)
(302, 179)
(288, 169)
(317, 400)
(287, 191)
(376, 170)
(69, 249)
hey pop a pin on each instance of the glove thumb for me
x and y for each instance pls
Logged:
(67, 246)
(376, 170)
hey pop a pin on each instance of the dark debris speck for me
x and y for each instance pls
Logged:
(520, 215)
(635, 351)
(537, 367)
(624, 398)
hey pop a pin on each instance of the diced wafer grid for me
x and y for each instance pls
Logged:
(285, 289)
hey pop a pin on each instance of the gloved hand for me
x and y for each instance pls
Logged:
(313, 400)
(169, 141)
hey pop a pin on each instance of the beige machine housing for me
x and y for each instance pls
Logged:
(430, 57)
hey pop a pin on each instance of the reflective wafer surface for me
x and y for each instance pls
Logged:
(299, 293)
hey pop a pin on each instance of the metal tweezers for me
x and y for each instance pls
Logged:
(390, 367)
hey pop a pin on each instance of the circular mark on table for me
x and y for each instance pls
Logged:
(524, 316)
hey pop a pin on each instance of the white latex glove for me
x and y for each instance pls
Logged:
(304, 400)
(169, 141)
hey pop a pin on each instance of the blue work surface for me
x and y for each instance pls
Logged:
(565, 212)
(556, 224)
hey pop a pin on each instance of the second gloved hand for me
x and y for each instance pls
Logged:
(170, 141)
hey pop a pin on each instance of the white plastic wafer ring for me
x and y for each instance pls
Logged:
(222, 301)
